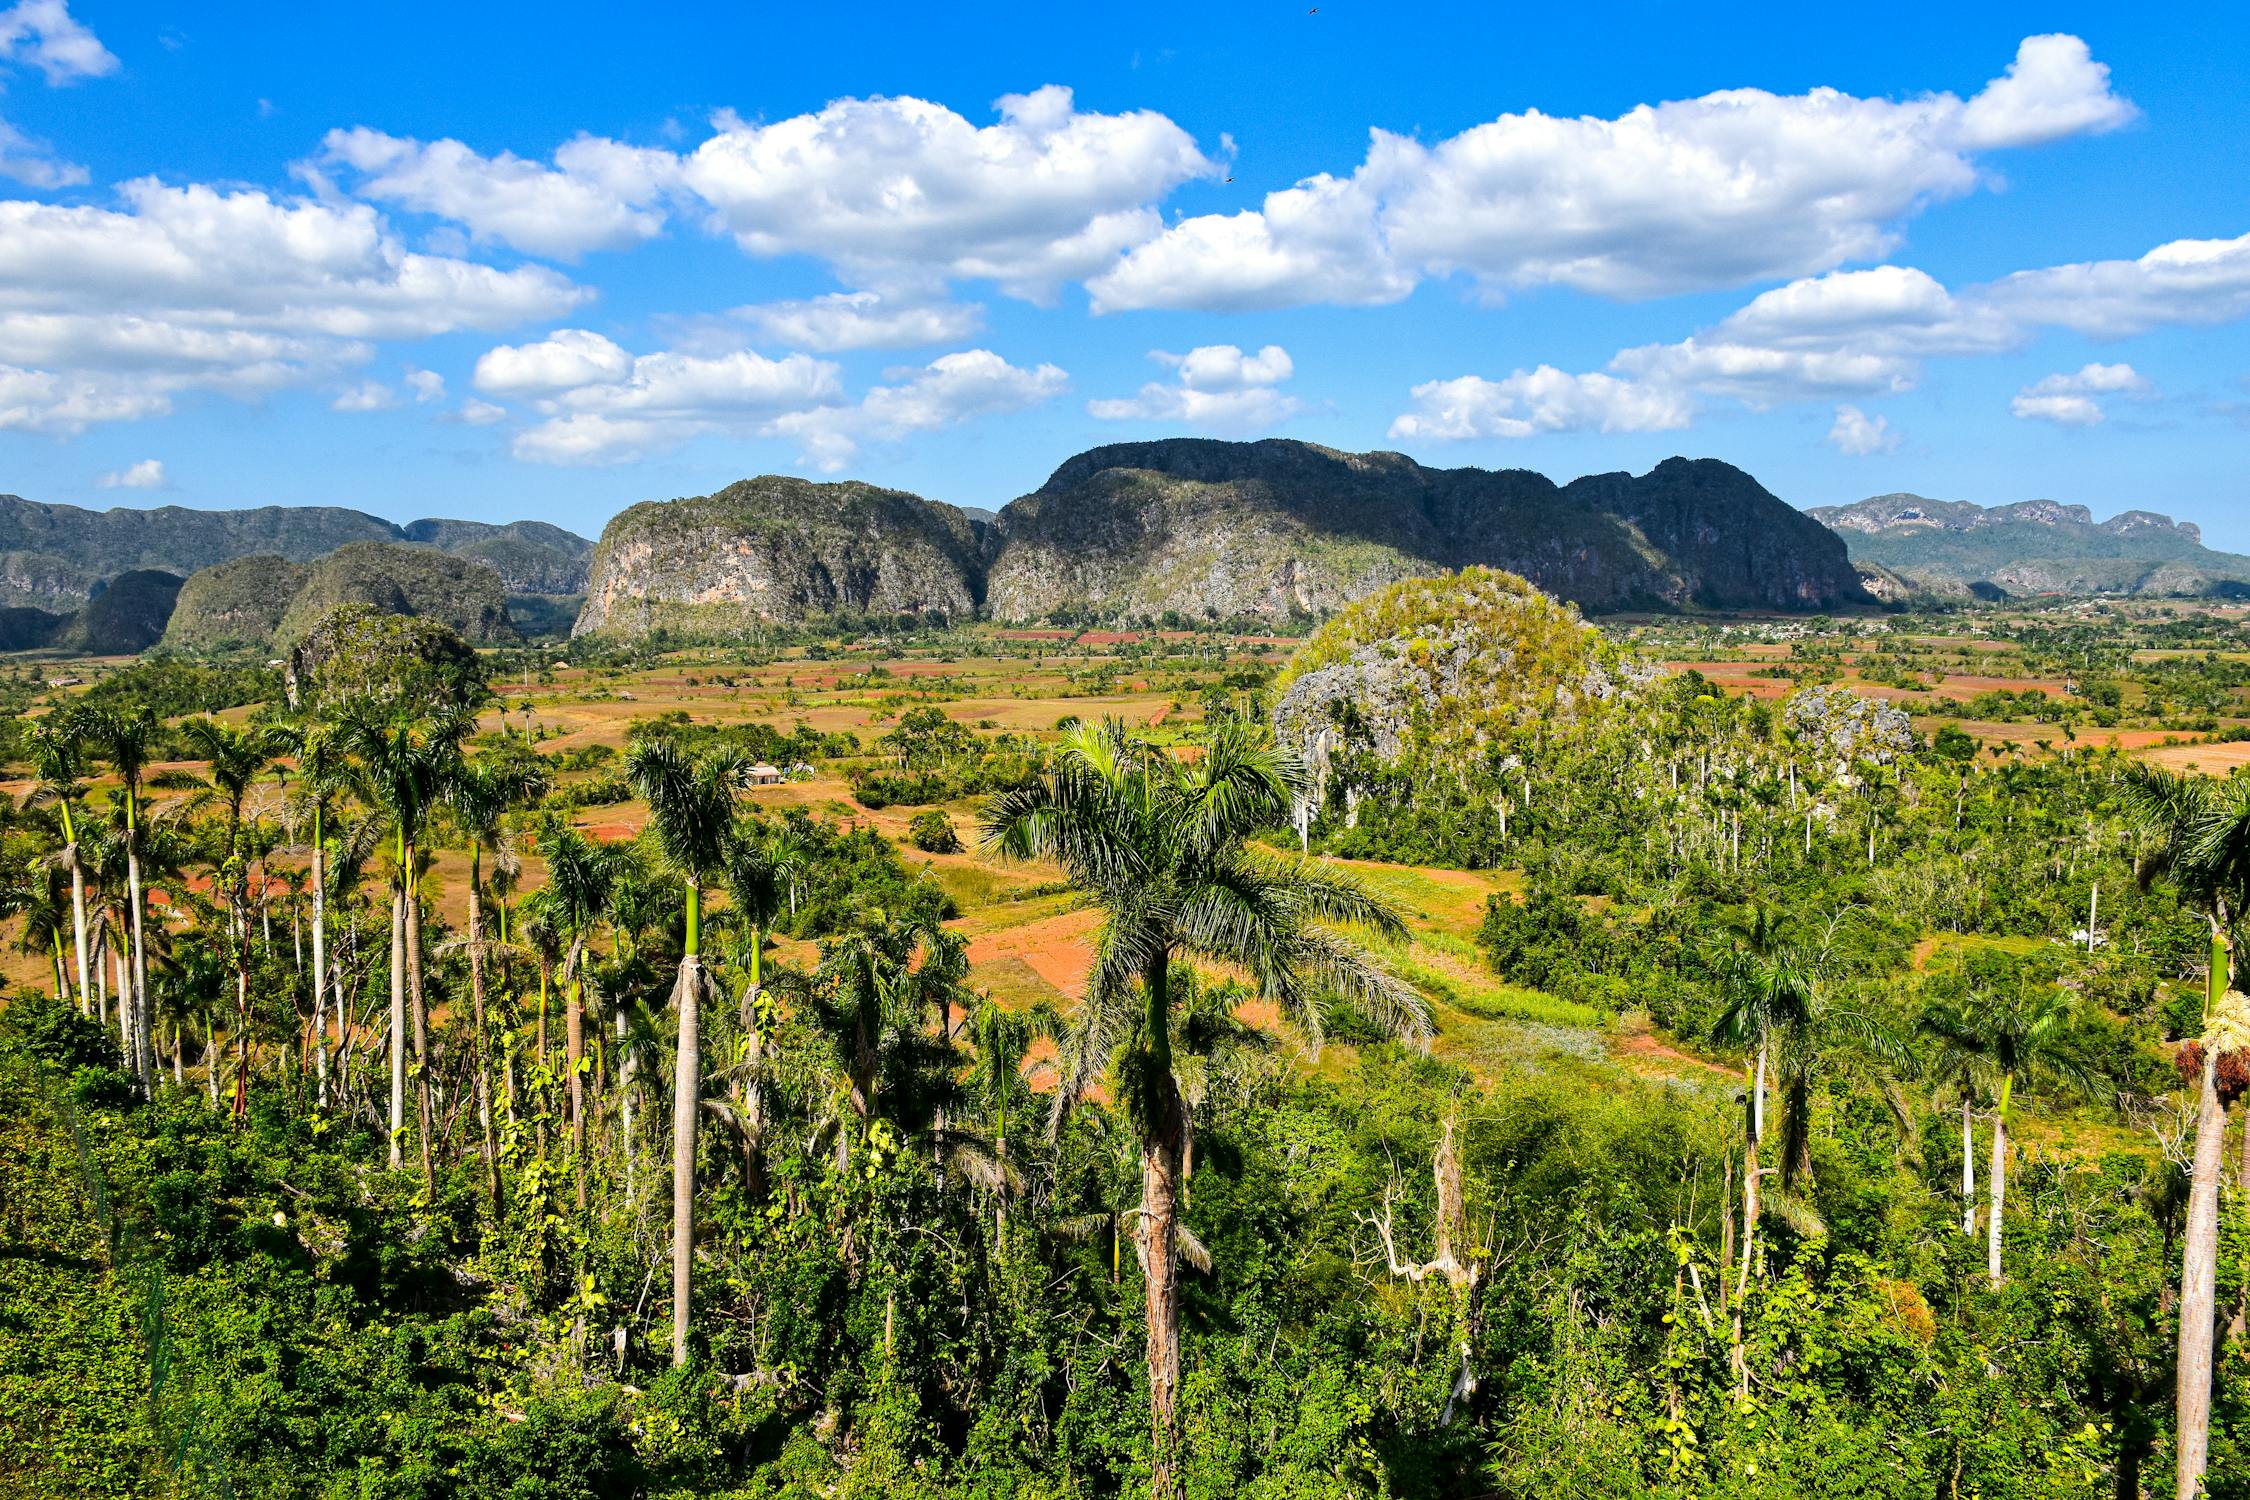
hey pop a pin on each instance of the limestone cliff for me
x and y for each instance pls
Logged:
(779, 550)
(1208, 529)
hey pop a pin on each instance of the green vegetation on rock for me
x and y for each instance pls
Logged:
(1197, 530)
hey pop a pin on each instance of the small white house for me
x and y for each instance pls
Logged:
(762, 774)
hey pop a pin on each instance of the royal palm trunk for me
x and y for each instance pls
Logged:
(398, 1025)
(476, 1005)
(686, 1092)
(1161, 1154)
(2200, 1259)
(421, 1025)
(320, 960)
(1999, 1175)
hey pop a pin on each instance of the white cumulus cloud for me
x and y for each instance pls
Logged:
(602, 405)
(951, 389)
(599, 194)
(861, 320)
(901, 193)
(1217, 387)
(2073, 399)
(1867, 333)
(1542, 400)
(1857, 433)
(148, 474)
(44, 34)
(368, 395)
(1734, 186)
(108, 313)
(33, 162)
(664, 399)
(570, 358)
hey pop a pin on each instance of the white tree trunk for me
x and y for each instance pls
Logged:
(144, 1059)
(1999, 1176)
(2198, 1283)
(1968, 1171)
(398, 1029)
(78, 923)
(320, 971)
(687, 1091)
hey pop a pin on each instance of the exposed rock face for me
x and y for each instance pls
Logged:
(779, 550)
(1211, 529)
(1207, 527)
(531, 557)
(53, 556)
(1953, 548)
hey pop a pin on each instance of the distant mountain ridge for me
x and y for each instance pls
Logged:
(57, 557)
(1201, 528)
(2029, 547)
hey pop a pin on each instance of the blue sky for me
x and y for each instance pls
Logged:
(493, 262)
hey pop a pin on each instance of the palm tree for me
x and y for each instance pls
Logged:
(1163, 850)
(691, 810)
(127, 739)
(2198, 832)
(34, 892)
(1769, 989)
(323, 776)
(234, 758)
(405, 763)
(759, 869)
(57, 751)
(1995, 1040)
(575, 900)
(480, 793)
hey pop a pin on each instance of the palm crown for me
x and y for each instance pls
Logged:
(1164, 850)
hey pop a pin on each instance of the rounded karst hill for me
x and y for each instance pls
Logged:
(780, 550)
(401, 579)
(235, 603)
(1449, 663)
(127, 616)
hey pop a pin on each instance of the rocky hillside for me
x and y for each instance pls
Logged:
(126, 617)
(268, 601)
(1205, 529)
(1953, 547)
(53, 557)
(531, 557)
(239, 602)
(781, 550)
(1212, 528)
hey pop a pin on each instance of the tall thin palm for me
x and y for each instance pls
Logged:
(759, 869)
(128, 741)
(480, 793)
(575, 901)
(234, 759)
(1769, 987)
(692, 802)
(1163, 850)
(323, 777)
(1997, 1041)
(2197, 832)
(406, 761)
(58, 764)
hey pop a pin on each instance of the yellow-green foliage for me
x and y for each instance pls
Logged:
(1457, 659)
